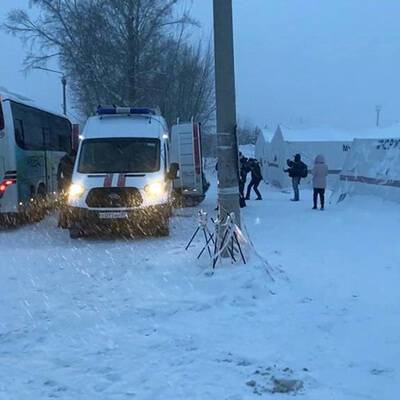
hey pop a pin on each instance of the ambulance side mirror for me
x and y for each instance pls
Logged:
(173, 171)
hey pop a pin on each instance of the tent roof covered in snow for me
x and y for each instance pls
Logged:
(388, 132)
(267, 134)
(321, 134)
(328, 134)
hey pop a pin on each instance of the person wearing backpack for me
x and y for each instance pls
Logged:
(297, 170)
(319, 172)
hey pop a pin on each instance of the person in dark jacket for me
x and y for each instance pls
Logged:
(243, 171)
(256, 178)
(297, 170)
(64, 172)
(64, 178)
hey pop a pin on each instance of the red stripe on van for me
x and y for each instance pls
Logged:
(108, 180)
(121, 180)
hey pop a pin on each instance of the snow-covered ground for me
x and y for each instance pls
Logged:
(143, 319)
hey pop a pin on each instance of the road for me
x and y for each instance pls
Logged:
(113, 318)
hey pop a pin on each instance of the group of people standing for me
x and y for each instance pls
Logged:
(297, 171)
(246, 166)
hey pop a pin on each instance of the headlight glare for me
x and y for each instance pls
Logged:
(155, 189)
(75, 190)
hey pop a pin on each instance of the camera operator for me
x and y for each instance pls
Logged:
(297, 170)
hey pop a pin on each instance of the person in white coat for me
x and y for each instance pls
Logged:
(319, 172)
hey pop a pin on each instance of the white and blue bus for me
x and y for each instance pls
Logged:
(32, 142)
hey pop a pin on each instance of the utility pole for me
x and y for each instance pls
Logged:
(227, 148)
(64, 85)
(378, 115)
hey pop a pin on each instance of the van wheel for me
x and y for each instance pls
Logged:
(75, 233)
(177, 200)
(63, 219)
(162, 226)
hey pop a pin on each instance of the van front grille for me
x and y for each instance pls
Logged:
(114, 197)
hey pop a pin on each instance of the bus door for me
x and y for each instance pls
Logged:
(50, 168)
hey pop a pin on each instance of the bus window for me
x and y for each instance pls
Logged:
(19, 132)
(33, 130)
(39, 130)
(61, 134)
(47, 139)
(29, 136)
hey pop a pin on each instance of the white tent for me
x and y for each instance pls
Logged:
(262, 151)
(333, 144)
(372, 167)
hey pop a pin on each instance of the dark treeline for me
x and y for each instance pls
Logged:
(124, 52)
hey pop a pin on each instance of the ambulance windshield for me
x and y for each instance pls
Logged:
(116, 155)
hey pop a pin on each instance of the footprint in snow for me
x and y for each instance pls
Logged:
(378, 371)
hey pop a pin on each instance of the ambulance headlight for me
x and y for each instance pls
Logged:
(155, 189)
(75, 191)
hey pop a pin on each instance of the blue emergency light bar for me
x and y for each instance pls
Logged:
(113, 110)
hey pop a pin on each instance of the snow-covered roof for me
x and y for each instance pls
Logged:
(268, 134)
(388, 132)
(6, 94)
(323, 134)
(123, 126)
(328, 134)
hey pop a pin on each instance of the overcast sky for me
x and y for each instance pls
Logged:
(317, 61)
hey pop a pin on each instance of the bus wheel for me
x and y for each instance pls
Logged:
(9, 220)
(38, 211)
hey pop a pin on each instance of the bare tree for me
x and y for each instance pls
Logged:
(127, 52)
(189, 93)
(247, 132)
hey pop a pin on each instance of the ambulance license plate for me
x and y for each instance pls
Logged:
(113, 215)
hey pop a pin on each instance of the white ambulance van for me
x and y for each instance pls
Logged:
(122, 173)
